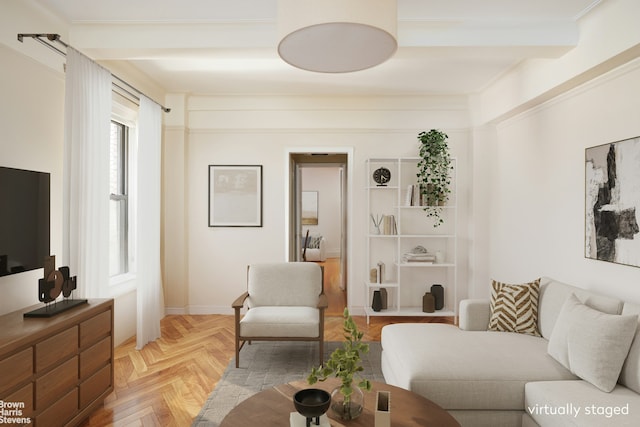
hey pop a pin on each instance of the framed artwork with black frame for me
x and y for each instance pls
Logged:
(235, 195)
(612, 202)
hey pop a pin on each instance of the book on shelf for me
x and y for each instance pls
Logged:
(389, 225)
(414, 196)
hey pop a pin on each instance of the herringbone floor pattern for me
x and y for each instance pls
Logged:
(168, 381)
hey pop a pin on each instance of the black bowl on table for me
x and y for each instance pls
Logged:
(312, 403)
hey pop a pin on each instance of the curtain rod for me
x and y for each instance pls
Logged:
(56, 38)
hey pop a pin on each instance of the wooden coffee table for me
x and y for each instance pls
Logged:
(273, 406)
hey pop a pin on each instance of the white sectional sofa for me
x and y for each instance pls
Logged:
(488, 378)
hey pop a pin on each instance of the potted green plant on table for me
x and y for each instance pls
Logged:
(434, 172)
(347, 400)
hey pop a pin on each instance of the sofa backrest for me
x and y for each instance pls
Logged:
(553, 294)
(630, 374)
(284, 284)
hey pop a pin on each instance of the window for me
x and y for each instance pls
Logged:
(118, 201)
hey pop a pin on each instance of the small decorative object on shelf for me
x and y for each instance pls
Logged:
(428, 303)
(438, 294)
(376, 222)
(419, 254)
(347, 400)
(373, 275)
(439, 257)
(382, 176)
(383, 409)
(376, 305)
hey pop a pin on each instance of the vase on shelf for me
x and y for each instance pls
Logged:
(438, 294)
(376, 305)
(347, 407)
(385, 298)
(428, 303)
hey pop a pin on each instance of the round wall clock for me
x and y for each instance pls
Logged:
(381, 176)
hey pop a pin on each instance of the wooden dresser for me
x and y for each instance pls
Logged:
(56, 371)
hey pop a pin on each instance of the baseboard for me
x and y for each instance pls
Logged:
(209, 309)
(175, 310)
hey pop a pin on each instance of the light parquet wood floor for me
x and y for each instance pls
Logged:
(167, 382)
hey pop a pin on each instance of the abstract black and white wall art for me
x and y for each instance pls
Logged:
(612, 196)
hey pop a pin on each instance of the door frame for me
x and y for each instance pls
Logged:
(289, 208)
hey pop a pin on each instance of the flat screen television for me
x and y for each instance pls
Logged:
(24, 220)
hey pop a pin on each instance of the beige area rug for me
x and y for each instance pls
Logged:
(266, 364)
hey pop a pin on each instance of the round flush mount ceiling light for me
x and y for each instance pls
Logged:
(336, 36)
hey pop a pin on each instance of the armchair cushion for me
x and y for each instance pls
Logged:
(284, 284)
(280, 322)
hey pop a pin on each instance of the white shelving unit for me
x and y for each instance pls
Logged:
(407, 282)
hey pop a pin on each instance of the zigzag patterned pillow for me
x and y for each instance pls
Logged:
(514, 308)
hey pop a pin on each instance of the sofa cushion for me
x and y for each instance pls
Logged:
(514, 308)
(466, 369)
(578, 403)
(630, 374)
(553, 294)
(592, 344)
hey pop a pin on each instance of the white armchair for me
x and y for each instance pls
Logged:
(286, 302)
(315, 249)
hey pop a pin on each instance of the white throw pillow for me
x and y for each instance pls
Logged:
(591, 344)
(630, 374)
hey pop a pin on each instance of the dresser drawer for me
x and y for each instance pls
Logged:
(95, 386)
(95, 328)
(95, 357)
(56, 383)
(16, 369)
(60, 412)
(24, 396)
(60, 346)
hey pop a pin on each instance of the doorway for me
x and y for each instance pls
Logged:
(318, 206)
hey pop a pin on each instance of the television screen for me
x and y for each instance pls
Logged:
(24, 220)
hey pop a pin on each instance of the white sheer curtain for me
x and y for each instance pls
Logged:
(150, 299)
(86, 173)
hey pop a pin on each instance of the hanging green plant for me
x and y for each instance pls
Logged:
(434, 172)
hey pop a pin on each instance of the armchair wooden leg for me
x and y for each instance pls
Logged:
(237, 353)
(237, 331)
(321, 351)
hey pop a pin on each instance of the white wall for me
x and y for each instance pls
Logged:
(609, 37)
(326, 182)
(538, 183)
(31, 119)
(259, 130)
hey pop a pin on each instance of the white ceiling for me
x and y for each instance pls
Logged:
(228, 47)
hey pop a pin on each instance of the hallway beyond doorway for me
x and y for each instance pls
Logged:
(336, 296)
